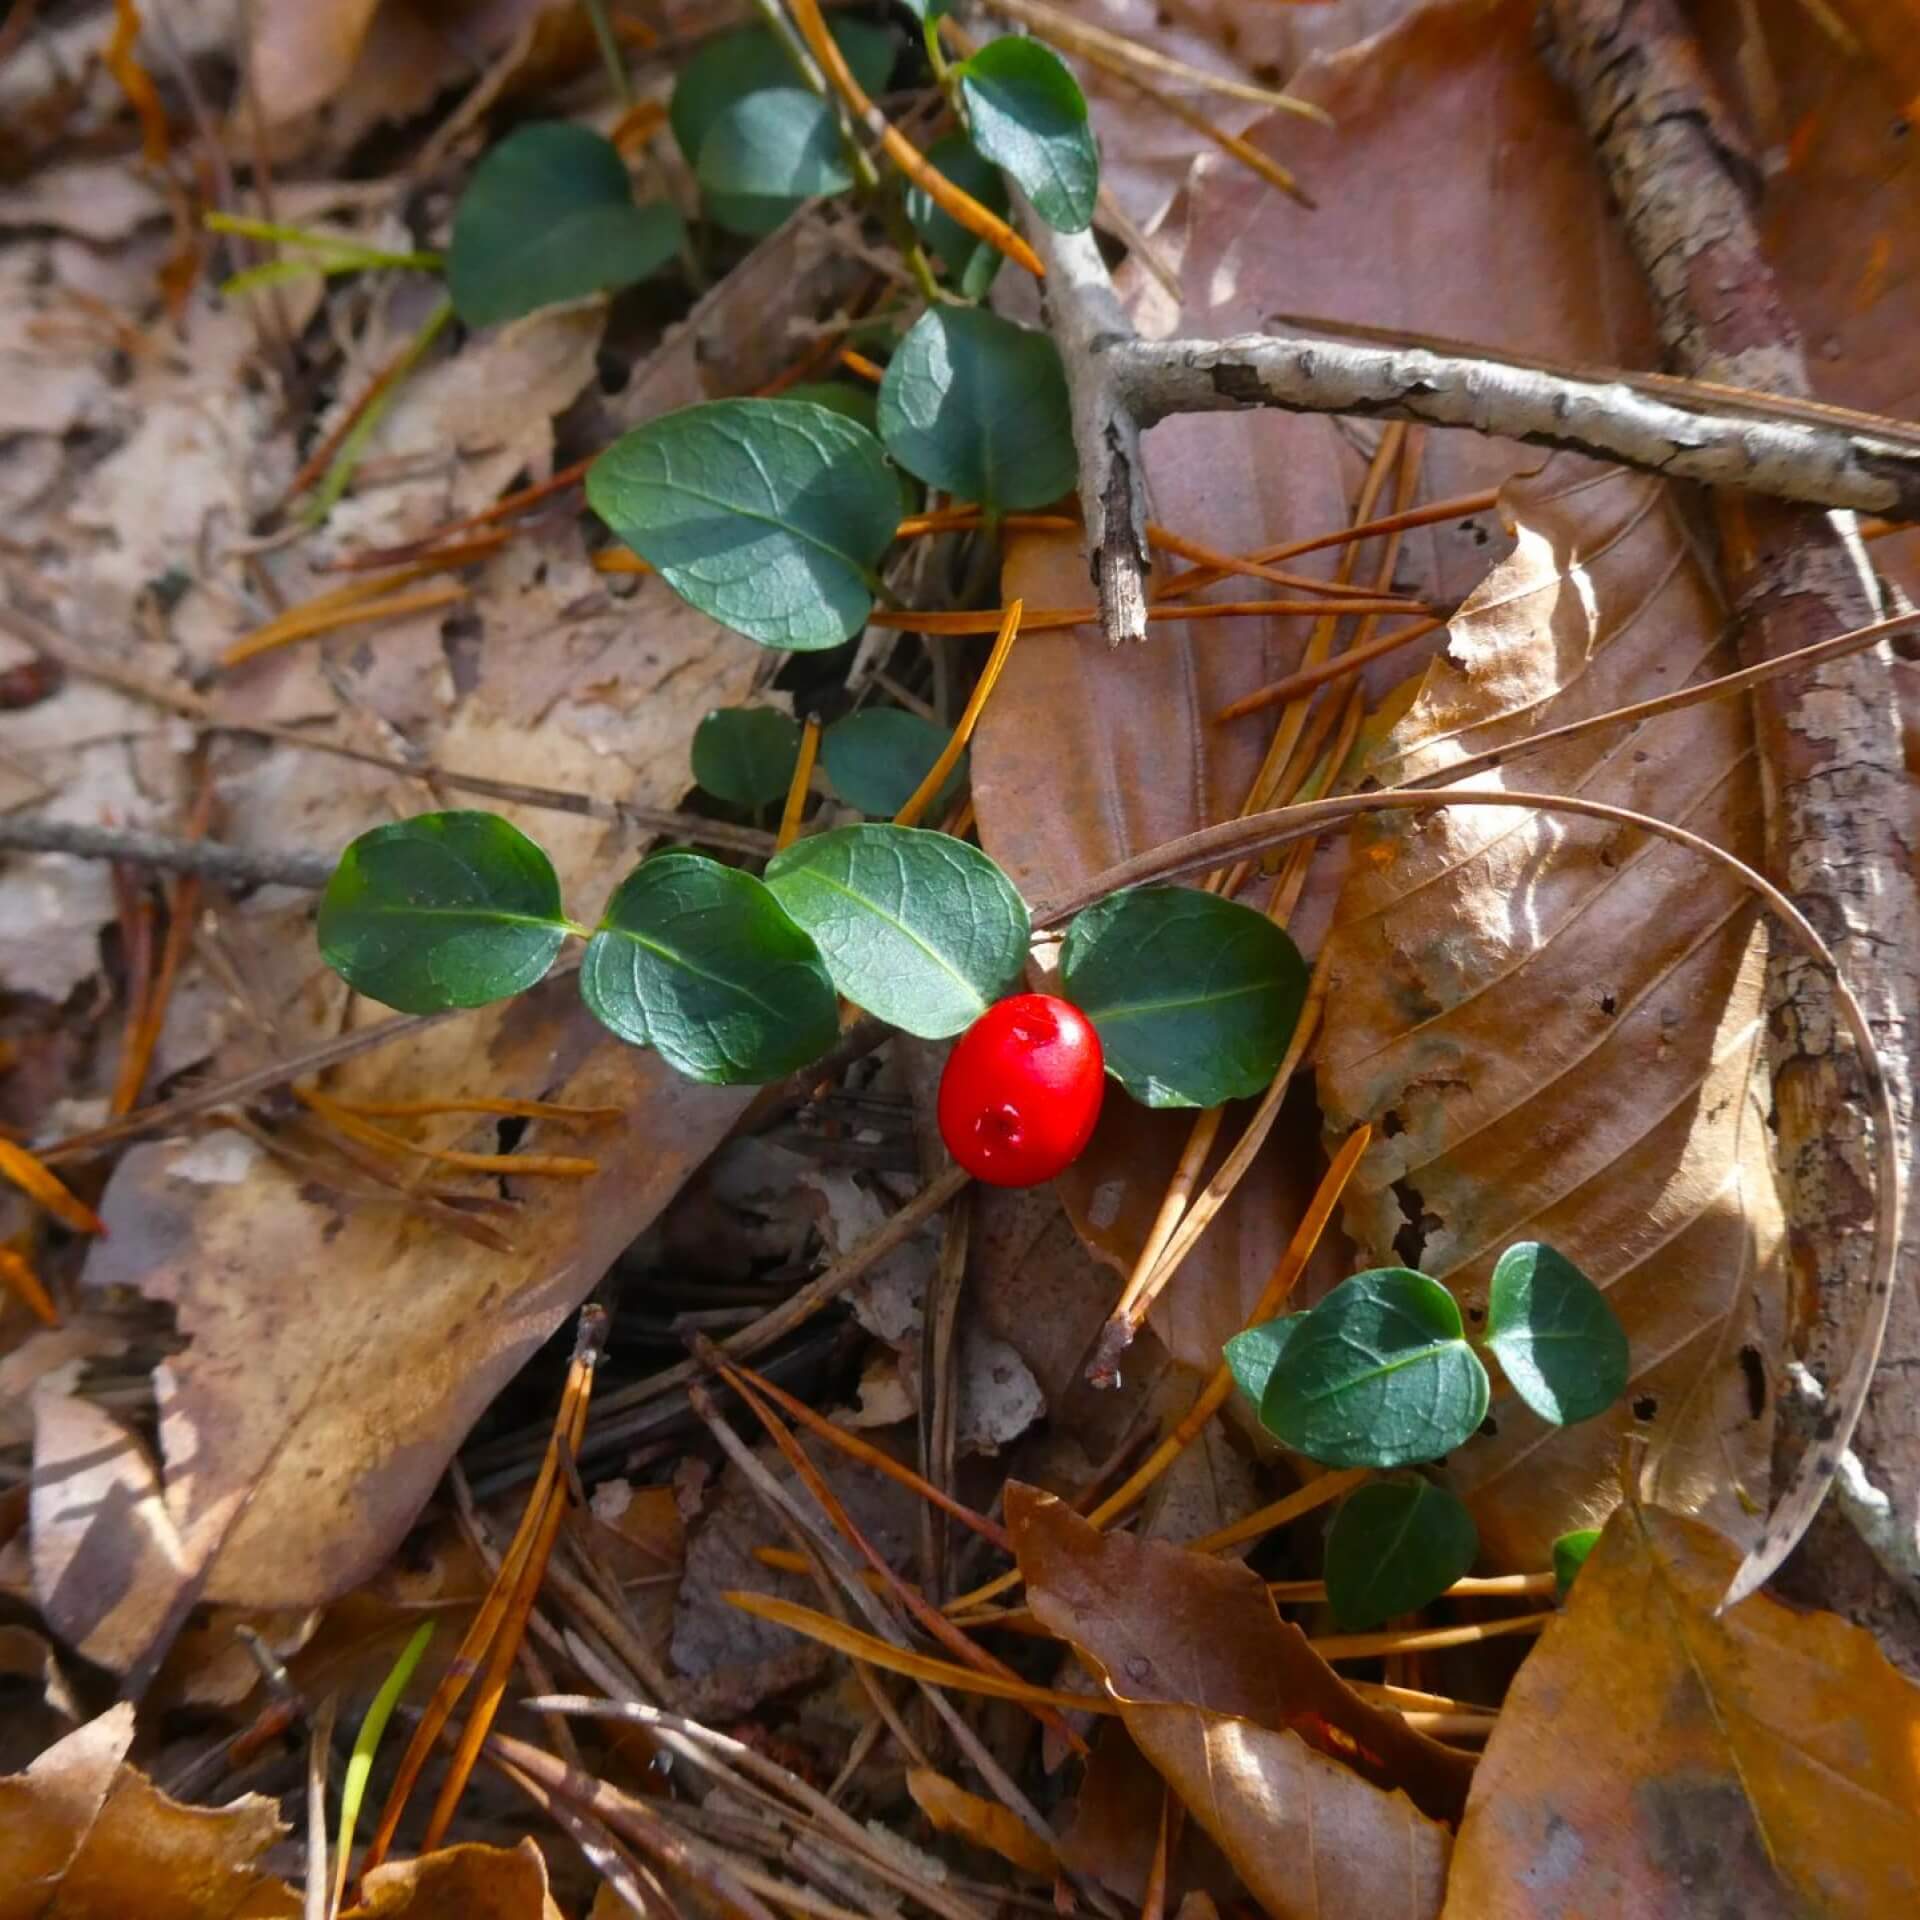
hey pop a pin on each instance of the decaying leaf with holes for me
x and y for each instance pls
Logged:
(1554, 1027)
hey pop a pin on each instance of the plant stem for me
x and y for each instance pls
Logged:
(610, 50)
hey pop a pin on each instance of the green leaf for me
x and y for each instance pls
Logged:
(1027, 114)
(444, 910)
(978, 406)
(746, 755)
(1377, 1375)
(970, 262)
(768, 515)
(1557, 1340)
(1194, 997)
(549, 216)
(702, 962)
(917, 927)
(1393, 1547)
(859, 404)
(728, 69)
(877, 758)
(1252, 1356)
(779, 144)
(1570, 1555)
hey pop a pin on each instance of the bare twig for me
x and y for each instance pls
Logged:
(232, 866)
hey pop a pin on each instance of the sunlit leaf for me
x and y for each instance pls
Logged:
(917, 927)
(700, 961)
(1570, 1555)
(1252, 1356)
(768, 515)
(444, 910)
(1393, 1546)
(1194, 997)
(745, 755)
(1559, 1343)
(549, 215)
(876, 759)
(1377, 1375)
(1029, 116)
(978, 406)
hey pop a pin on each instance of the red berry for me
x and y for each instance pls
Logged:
(1021, 1091)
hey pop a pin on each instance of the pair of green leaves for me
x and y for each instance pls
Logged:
(735, 979)
(549, 215)
(876, 758)
(771, 516)
(1380, 1374)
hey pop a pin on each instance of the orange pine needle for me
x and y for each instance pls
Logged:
(1279, 692)
(860, 364)
(1280, 1513)
(553, 1165)
(797, 788)
(785, 1560)
(18, 1277)
(1368, 1646)
(619, 560)
(38, 1183)
(502, 509)
(142, 95)
(1050, 619)
(924, 795)
(309, 623)
(638, 125)
(575, 1118)
(962, 207)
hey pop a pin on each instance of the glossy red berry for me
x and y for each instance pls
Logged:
(1021, 1091)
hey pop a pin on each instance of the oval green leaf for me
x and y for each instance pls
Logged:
(1570, 1555)
(746, 755)
(1377, 1375)
(1393, 1547)
(445, 910)
(778, 144)
(768, 515)
(978, 406)
(549, 216)
(1028, 115)
(876, 759)
(917, 927)
(701, 962)
(1252, 1356)
(970, 262)
(838, 396)
(732, 66)
(1557, 1340)
(1194, 997)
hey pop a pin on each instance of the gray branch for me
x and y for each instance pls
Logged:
(213, 859)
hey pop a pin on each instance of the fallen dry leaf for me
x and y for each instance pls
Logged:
(1652, 1757)
(1553, 1027)
(952, 1809)
(1162, 1625)
(460, 1883)
(83, 1836)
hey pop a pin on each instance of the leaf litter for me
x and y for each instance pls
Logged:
(268, 1364)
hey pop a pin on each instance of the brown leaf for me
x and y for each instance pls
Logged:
(1161, 1624)
(460, 1883)
(1312, 1840)
(1553, 1027)
(85, 1837)
(1651, 1756)
(952, 1809)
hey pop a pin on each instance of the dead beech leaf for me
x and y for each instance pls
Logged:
(85, 1837)
(1554, 1029)
(460, 1883)
(952, 1809)
(1164, 1625)
(1311, 1839)
(1649, 1752)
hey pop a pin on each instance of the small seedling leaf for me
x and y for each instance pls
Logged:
(877, 758)
(1194, 997)
(971, 262)
(549, 215)
(1252, 1356)
(1029, 116)
(702, 962)
(917, 927)
(768, 515)
(1393, 1547)
(734, 65)
(445, 910)
(1558, 1341)
(1377, 1375)
(745, 755)
(779, 144)
(978, 406)
(1570, 1555)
